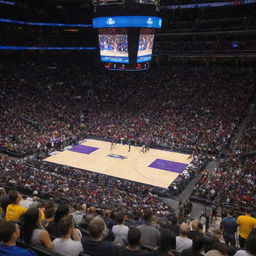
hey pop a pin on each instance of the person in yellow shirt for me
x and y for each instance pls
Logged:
(14, 210)
(246, 224)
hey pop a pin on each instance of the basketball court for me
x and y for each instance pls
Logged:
(155, 167)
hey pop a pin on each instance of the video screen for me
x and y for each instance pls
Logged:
(113, 45)
(145, 47)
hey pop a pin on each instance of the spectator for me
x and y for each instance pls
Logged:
(229, 226)
(200, 228)
(26, 202)
(95, 246)
(182, 241)
(197, 247)
(70, 242)
(53, 229)
(14, 211)
(250, 245)
(79, 213)
(246, 224)
(120, 230)
(214, 253)
(213, 243)
(106, 217)
(167, 244)
(163, 225)
(133, 247)
(49, 212)
(203, 220)
(4, 201)
(174, 227)
(33, 231)
(194, 232)
(150, 236)
(9, 234)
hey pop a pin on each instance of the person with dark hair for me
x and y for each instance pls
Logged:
(167, 244)
(200, 228)
(9, 234)
(78, 213)
(4, 201)
(120, 230)
(246, 224)
(95, 245)
(182, 241)
(14, 211)
(196, 248)
(70, 242)
(174, 227)
(150, 236)
(62, 210)
(106, 217)
(250, 245)
(49, 211)
(228, 226)
(33, 231)
(212, 243)
(49, 216)
(194, 232)
(133, 247)
(163, 225)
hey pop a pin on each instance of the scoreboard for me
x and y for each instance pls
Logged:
(126, 41)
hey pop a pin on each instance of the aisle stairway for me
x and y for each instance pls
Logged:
(248, 114)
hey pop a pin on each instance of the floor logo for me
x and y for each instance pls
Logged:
(117, 156)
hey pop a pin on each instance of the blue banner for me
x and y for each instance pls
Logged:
(144, 58)
(44, 48)
(141, 69)
(127, 21)
(44, 24)
(114, 59)
(208, 5)
(7, 2)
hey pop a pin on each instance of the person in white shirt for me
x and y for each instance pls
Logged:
(26, 202)
(120, 230)
(182, 241)
(78, 213)
(70, 242)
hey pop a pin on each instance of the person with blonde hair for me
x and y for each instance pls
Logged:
(182, 241)
(214, 253)
(95, 245)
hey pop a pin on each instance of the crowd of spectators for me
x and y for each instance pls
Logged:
(74, 229)
(233, 181)
(48, 106)
(246, 143)
(231, 184)
(211, 24)
(183, 108)
(168, 45)
(81, 186)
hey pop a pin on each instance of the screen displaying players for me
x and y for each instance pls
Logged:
(113, 46)
(145, 47)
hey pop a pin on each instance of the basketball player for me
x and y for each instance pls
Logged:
(112, 144)
(143, 148)
(129, 145)
(147, 147)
